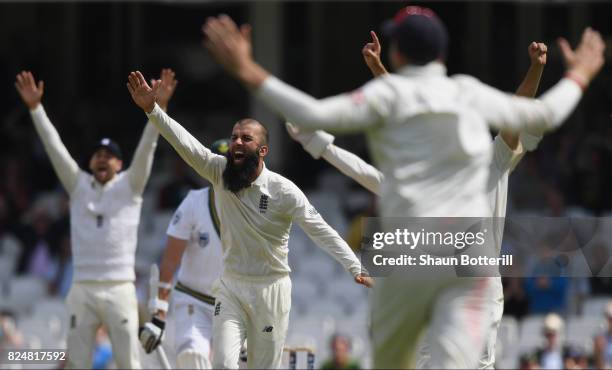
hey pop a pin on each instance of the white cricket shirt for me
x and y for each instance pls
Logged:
(103, 218)
(202, 261)
(427, 133)
(503, 163)
(255, 222)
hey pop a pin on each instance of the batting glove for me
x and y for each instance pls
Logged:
(151, 334)
(314, 143)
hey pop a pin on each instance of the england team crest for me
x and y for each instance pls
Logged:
(203, 239)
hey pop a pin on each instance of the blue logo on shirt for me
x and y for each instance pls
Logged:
(176, 218)
(203, 239)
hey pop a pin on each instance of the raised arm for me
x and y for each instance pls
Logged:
(178, 232)
(140, 169)
(529, 88)
(537, 55)
(171, 260)
(371, 56)
(320, 144)
(504, 111)
(64, 165)
(325, 237)
(206, 163)
(231, 47)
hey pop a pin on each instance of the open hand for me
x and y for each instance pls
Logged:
(588, 57)
(30, 92)
(229, 45)
(143, 95)
(167, 87)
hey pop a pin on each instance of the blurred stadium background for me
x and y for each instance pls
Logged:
(84, 51)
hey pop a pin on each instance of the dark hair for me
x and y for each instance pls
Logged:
(418, 34)
(342, 337)
(266, 135)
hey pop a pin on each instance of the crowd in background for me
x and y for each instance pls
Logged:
(568, 175)
(34, 223)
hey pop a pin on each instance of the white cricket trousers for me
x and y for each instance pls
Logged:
(487, 360)
(191, 326)
(255, 310)
(112, 304)
(453, 309)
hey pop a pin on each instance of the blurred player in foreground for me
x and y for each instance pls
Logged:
(508, 150)
(194, 244)
(104, 217)
(256, 208)
(428, 133)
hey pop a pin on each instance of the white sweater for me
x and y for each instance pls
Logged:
(103, 218)
(255, 222)
(427, 133)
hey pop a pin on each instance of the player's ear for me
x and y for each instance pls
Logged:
(91, 163)
(263, 151)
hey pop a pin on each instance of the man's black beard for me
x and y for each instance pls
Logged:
(238, 177)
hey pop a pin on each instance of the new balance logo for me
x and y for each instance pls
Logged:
(268, 329)
(313, 212)
(263, 204)
(217, 309)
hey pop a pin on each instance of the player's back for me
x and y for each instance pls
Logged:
(433, 148)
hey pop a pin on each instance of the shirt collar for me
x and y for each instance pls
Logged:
(430, 69)
(263, 176)
(96, 184)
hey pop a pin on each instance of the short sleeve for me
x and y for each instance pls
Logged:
(182, 222)
(506, 159)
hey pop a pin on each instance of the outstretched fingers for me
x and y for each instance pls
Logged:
(25, 82)
(133, 81)
(566, 50)
(141, 80)
(228, 26)
(156, 86)
(213, 31)
(375, 39)
(246, 30)
(20, 82)
(26, 79)
(168, 78)
(130, 88)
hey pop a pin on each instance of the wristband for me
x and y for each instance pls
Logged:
(318, 143)
(163, 285)
(159, 322)
(157, 304)
(578, 79)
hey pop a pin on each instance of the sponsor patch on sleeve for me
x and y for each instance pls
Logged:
(358, 97)
(177, 217)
